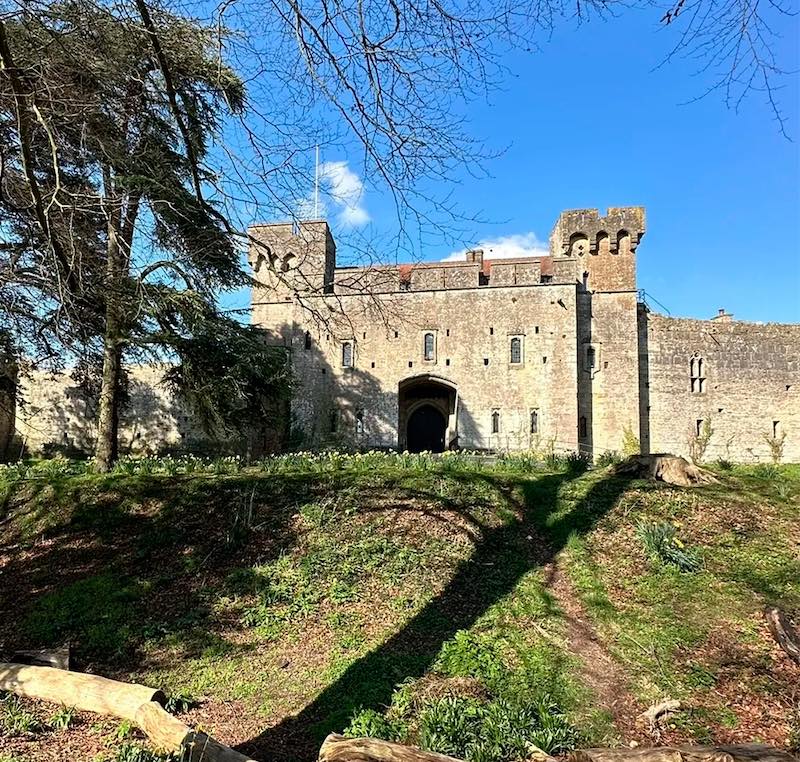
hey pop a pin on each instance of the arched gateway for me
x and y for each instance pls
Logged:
(428, 414)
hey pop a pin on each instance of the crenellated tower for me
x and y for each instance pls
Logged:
(599, 252)
(292, 258)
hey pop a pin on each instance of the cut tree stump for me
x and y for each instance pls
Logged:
(785, 635)
(741, 753)
(137, 703)
(664, 467)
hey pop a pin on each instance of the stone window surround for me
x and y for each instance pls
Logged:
(434, 355)
(348, 360)
(521, 336)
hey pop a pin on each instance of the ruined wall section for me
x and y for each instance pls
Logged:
(472, 350)
(750, 376)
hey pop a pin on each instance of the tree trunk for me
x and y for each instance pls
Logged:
(107, 445)
(665, 467)
(137, 703)
(737, 753)
(337, 748)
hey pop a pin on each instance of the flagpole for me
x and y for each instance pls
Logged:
(316, 184)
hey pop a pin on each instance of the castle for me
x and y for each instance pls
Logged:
(556, 352)
(543, 352)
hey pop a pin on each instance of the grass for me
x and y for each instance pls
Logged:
(409, 597)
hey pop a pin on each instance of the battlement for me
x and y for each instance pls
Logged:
(585, 247)
(623, 226)
(598, 252)
(293, 256)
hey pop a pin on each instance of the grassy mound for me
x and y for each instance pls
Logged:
(480, 611)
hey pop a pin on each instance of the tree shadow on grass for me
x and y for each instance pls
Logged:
(540, 528)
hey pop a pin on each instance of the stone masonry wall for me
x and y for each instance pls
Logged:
(54, 415)
(751, 386)
(472, 333)
(608, 370)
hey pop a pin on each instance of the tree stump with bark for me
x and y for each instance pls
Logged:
(664, 467)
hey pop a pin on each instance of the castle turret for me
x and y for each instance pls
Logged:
(290, 258)
(599, 252)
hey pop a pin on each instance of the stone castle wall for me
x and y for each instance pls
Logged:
(55, 415)
(750, 376)
(472, 340)
(595, 364)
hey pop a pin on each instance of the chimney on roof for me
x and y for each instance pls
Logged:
(475, 255)
(722, 316)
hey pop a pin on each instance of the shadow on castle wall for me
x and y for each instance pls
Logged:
(344, 407)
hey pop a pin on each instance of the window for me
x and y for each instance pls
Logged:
(536, 329)
(485, 360)
(776, 429)
(590, 358)
(347, 354)
(307, 341)
(359, 422)
(447, 332)
(447, 361)
(491, 332)
(429, 347)
(534, 421)
(699, 427)
(582, 427)
(495, 422)
(516, 350)
(697, 377)
(334, 421)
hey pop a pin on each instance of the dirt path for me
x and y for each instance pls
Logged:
(598, 670)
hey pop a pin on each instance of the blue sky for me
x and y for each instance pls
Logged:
(589, 120)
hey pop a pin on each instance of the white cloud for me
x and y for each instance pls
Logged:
(341, 194)
(505, 247)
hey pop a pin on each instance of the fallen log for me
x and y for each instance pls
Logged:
(127, 701)
(44, 657)
(739, 753)
(785, 635)
(671, 469)
(336, 748)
